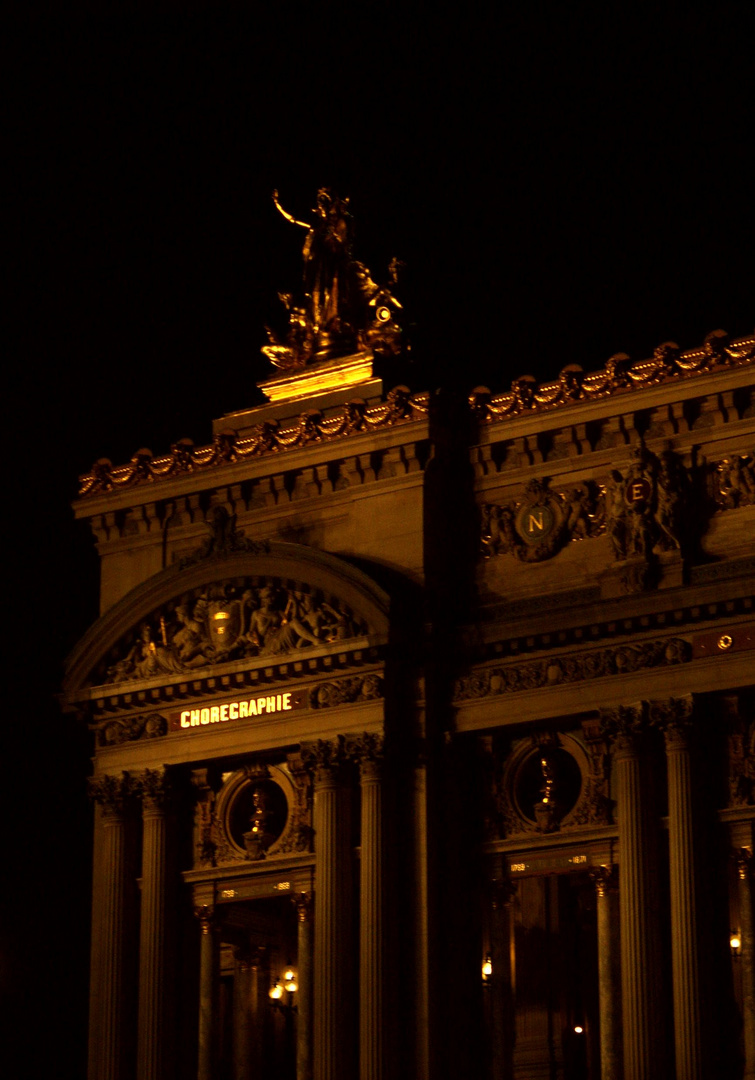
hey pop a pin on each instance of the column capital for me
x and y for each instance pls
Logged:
(324, 758)
(603, 878)
(153, 787)
(623, 725)
(368, 750)
(674, 718)
(744, 860)
(304, 905)
(112, 793)
(206, 915)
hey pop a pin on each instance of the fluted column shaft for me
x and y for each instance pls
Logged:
(371, 944)
(108, 1011)
(207, 981)
(684, 955)
(608, 998)
(150, 1059)
(332, 1000)
(747, 959)
(643, 1036)
(304, 993)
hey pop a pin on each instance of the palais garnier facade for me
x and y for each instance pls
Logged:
(424, 737)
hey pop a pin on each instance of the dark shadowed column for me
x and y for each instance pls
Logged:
(304, 961)
(208, 959)
(368, 750)
(640, 934)
(744, 874)
(333, 954)
(674, 717)
(151, 1049)
(111, 792)
(609, 1002)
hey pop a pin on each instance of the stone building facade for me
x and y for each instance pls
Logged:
(435, 720)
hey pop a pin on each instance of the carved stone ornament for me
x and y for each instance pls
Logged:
(649, 507)
(541, 786)
(114, 732)
(154, 789)
(346, 691)
(741, 746)
(113, 793)
(542, 521)
(624, 725)
(259, 812)
(224, 539)
(674, 718)
(552, 671)
(733, 481)
(228, 621)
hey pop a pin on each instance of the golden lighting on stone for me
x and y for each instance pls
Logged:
(341, 373)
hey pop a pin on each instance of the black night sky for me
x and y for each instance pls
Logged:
(563, 182)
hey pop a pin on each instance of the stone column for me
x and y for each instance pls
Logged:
(644, 1057)
(499, 988)
(333, 956)
(108, 1011)
(369, 751)
(609, 1002)
(208, 959)
(674, 717)
(151, 1036)
(242, 1014)
(747, 958)
(304, 993)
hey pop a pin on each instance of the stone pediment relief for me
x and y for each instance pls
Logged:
(229, 620)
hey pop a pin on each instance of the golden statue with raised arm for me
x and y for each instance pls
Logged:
(343, 310)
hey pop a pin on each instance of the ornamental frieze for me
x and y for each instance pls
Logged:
(346, 691)
(555, 670)
(128, 729)
(667, 364)
(526, 396)
(356, 417)
(227, 621)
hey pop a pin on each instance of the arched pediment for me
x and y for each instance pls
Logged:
(271, 602)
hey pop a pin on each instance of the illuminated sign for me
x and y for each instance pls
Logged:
(239, 709)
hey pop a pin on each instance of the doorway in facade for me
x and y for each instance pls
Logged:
(258, 990)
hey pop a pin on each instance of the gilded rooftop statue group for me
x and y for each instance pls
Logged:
(341, 309)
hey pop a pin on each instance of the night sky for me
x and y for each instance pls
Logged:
(563, 182)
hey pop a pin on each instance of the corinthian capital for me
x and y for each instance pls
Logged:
(153, 789)
(324, 757)
(674, 717)
(368, 750)
(112, 793)
(623, 725)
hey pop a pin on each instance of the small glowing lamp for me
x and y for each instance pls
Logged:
(276, 992)
(487, 967)
(578, 1029)
(735, 942)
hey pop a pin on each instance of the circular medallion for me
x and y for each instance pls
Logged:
(535, 522)
(639, 490)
